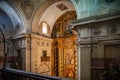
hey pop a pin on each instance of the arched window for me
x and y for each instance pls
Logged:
(44, 28)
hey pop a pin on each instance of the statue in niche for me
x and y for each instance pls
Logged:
(28, 8)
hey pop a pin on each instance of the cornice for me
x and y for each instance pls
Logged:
(95, 19)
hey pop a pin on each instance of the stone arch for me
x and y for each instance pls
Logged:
(41, 11)
(18, 22)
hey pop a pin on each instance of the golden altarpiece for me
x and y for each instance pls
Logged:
(64, 52)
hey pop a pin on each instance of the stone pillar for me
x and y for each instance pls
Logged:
(27, 55)
(79, 68)
(84, 62)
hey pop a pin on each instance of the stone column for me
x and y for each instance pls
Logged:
(27, 55)
(84, 62)
(79, 62)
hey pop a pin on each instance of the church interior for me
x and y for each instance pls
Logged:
(70, 39)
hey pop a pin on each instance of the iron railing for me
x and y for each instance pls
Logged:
(13, 74)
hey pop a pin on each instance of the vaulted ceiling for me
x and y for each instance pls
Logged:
(49, 12)
(54, 11)
(5, 25)
(26, 15)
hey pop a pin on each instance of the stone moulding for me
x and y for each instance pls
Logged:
(94, 19)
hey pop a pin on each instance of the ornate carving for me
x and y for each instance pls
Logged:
(61, 26)
(112, 28)
(96, 31)
(62, 7)
(65, 53)
(70, 43)
(70, 60)
(55, 43)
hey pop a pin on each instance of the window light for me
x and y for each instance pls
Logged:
(44, 28)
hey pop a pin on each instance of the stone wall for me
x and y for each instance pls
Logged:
(98, 43)
(38, 54)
